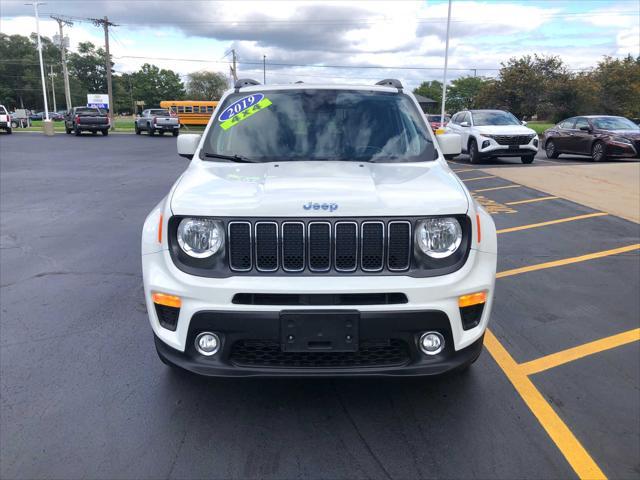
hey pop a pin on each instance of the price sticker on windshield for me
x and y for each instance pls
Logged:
(242, 109)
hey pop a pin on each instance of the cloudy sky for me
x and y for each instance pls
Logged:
(343, 42)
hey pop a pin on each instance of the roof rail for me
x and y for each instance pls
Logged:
(391, 82)
(245, 82)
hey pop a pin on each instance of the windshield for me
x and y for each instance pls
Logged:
(436, 118)
(299, 125)
(164, 113)
(614, 123)
(494, 118)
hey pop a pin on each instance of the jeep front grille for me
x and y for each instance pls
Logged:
(319, 246)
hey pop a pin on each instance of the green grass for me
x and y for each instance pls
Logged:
(539, 127)
(122, 124)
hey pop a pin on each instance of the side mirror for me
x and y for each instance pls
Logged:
(465, 124)
(188, 144)
(585, 129)
(523, 123)
(450, 143)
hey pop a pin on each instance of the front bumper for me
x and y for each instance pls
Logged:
(398, 357)
(494, 149)
(431, 303)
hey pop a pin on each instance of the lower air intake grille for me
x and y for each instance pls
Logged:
(268, 354)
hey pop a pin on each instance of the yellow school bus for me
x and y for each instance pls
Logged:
(191, 112)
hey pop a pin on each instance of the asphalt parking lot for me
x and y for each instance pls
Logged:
(556, 394)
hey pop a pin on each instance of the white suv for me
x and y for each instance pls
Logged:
(5, 119)
(318, 231)
(494, 133)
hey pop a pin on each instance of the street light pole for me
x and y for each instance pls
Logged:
(446, 64)
(264, 69)
(44, 85)
(53, 89)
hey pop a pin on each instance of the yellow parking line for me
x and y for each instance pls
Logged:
(478, 178)
(551, 222)
(569, 445)
(555, 359)
(567, 261)
(466, 170)
(531, 200)
(497, 188)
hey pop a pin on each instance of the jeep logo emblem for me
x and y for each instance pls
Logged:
(328, 207)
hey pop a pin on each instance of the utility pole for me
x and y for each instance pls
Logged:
(234, 71)
(67, 91)
(446, 64)
(264, 69)
(53, 89)
(44, 85)
(105, 23)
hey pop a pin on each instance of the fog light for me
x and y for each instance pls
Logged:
(207, 343)
(431, 343)
(535, 142)
(486, 143)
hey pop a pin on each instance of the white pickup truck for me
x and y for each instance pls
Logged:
(157, 120)
(318, 231)
(5, 120)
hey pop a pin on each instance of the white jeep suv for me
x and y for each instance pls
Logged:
(494, 133)
(318, 231)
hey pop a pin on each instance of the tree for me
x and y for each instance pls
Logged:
(88, 66)
(433, 90)
(205, 85)
(618, 83)
(463, 93)
(151, 85)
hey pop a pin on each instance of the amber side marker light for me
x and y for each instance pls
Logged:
(166, 300)
(160, 230)
(472, 299)
(478, 224)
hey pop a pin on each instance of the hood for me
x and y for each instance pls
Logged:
(297, 189)
(505, 130)
(630, 134)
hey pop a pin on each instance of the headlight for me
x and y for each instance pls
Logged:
(200, 237)
(622, 140)
(439, 237)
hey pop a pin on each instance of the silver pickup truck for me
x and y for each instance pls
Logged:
(157, 120)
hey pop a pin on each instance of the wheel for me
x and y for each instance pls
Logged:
(598, 152)
(527, 159)
(161, 132)
(9, 131)
(105, 132)
(95, 132)
(137, 129)
(450, 157)
(152, 132)
(14, 124)
(77, 131)
(474, 153)
(67, 130)
(550, 149)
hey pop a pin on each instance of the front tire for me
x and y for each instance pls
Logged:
(527, 159)
(474, 153)
(9, 131)
(105, 132)
(450, 157)
(598, 152)
(551, 150)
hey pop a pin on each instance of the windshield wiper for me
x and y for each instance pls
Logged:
(232, 158)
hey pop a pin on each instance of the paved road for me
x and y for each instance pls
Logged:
(83, 394)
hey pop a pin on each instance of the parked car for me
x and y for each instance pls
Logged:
(435, 121)
(157, 120)
(80, 119)
(36, 116)
(494, 133)
(5, 120)
(318, 231)
(597, 136)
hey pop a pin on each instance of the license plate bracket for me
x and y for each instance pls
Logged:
(514, 147)
(319, 331)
